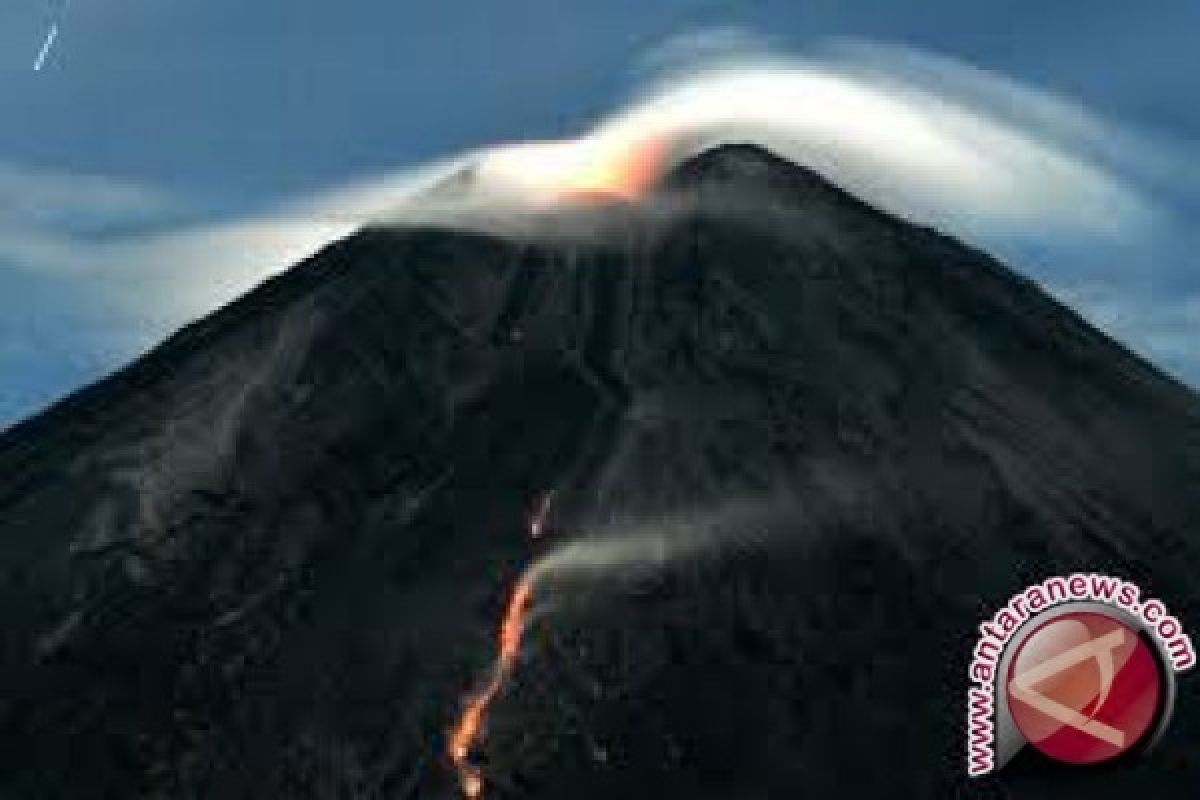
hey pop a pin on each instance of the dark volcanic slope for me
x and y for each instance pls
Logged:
(267, 559)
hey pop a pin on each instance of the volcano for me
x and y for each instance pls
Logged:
(788, 450)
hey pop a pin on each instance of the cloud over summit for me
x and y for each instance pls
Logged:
(931, 139)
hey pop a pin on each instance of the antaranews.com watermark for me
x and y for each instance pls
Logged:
(1080, 717)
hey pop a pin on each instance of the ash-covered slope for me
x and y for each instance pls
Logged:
(269, 558)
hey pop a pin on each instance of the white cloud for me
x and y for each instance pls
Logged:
(197, 268)
(926, 137)
(44, 198)
(177, 271)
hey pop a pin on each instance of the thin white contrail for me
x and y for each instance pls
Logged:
(46, 45)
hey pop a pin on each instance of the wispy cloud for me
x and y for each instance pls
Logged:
(923, 136)
(121, 236)
(94, 271)
(1032, 176)
(64, 203)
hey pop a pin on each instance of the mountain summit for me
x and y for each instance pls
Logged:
(766, 459)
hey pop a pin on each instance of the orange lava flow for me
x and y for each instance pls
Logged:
(469, 727)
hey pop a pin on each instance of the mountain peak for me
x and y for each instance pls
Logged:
(732, 159)
(267, 558)
(741, 171)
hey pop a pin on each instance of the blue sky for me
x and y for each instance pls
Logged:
(160, 122)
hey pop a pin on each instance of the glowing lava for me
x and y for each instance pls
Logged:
(469, 727)
(596, 168)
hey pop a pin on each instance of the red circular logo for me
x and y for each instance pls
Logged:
(1084, 688)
